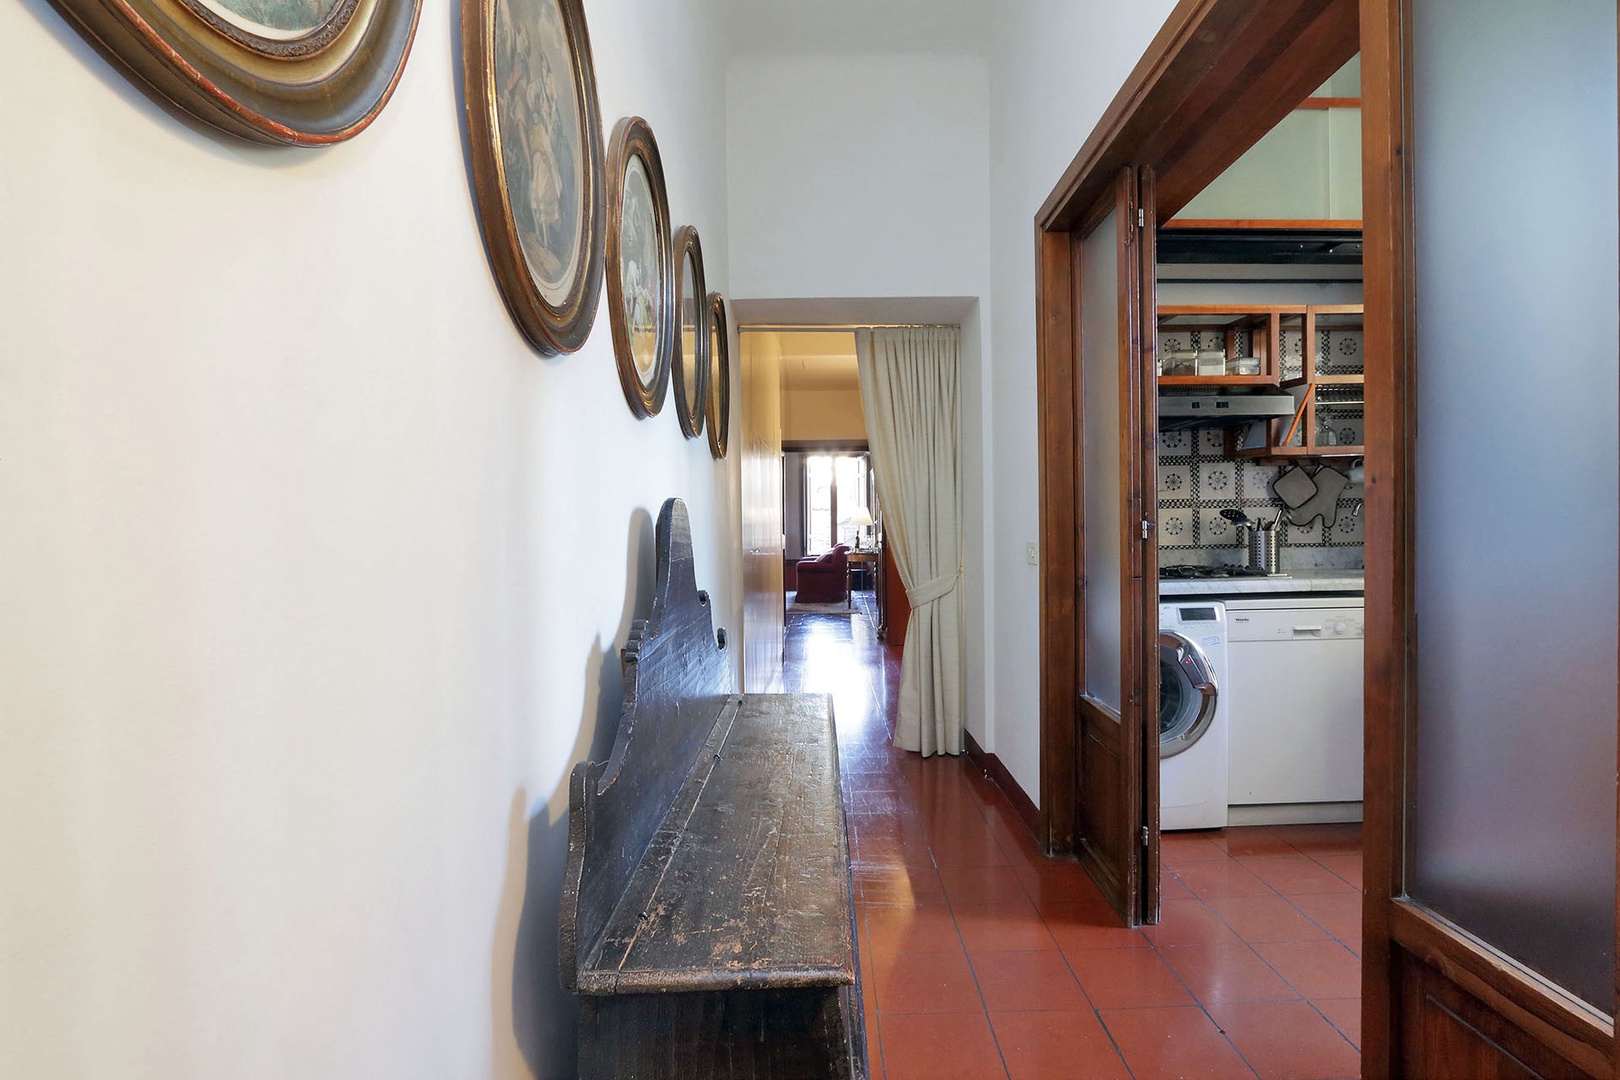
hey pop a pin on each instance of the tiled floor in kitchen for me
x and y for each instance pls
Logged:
(981, 959)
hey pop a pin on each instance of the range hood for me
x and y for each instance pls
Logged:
(1181, 412)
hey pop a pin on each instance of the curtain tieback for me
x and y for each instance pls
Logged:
(929, 591)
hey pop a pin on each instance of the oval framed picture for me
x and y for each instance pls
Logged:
(640, 266)
(693, 344)
(536, 134)
(719, 396)
(303, 72)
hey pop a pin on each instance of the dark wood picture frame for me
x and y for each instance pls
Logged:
(718, 399)
(310, 89)
(633, 143)
(691, 401)
(562, 323)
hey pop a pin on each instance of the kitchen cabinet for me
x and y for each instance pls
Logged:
(1324, 368)
(1329, 391)
(1237, 331)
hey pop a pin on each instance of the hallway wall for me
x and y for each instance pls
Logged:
(312, 574)
(855, 172)
(1056, 66)
(866, 175)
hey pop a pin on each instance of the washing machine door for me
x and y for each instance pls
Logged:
(1187, 693)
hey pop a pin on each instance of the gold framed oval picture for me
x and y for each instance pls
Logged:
(693, 346)
(536, 137)
(302, 72)
(718, 399)
(640, 266)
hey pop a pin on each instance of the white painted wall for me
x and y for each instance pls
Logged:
(868, 175)
(312, 574)
(1055, 67)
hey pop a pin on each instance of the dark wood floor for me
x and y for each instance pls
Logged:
(982, 959)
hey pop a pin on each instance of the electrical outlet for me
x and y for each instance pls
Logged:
(1032, 554)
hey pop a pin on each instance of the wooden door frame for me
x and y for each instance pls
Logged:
(1216, 78)
(1407, 949)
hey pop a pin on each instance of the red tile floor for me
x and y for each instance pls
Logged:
(982, 959)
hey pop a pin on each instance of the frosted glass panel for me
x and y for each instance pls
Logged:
(1099, 352)
(1513, 815)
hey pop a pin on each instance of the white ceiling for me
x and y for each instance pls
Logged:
(857, 26)
(816, 360)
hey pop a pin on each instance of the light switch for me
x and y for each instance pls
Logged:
(1032, 554)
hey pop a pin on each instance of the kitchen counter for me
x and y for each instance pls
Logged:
(1293, 581)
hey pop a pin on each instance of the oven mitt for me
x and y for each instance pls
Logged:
(1294, 487)
(1329, 483)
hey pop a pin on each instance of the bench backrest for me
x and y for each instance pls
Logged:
(677, 678)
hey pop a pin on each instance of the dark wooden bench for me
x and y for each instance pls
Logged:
(707, 913)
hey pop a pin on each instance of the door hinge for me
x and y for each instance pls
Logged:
(1141, 217)
(1144, 836)
(1147, 528)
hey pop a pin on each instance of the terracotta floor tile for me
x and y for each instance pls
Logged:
(1057, 1046)
(1338, 913)
(1266, 918)
(1181, 1043)
(975, 845)
(893, 851)
(1326, 839)
(1182, 849)
(1019, 981)
(1003, 928)
(1188, 922)
(1317, 969)
(1346, 866)
(906, 886)
(1344, 1014)
(973, 886)
(1090, 925)
(1213, 880)
(1127, 979)
(1226, 973)
(891, 930)
(1287, 1041)
(947, 1046)
(1297, 875)
(925, 983)
(1171, 888)
(1252, 842)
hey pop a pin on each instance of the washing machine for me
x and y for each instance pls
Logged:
(1193, 730)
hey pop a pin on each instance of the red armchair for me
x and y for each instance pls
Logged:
(824, 580)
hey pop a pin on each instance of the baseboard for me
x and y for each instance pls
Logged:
(1319, 813)
(998, 774)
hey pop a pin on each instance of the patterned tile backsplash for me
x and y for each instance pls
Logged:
(1197, 480)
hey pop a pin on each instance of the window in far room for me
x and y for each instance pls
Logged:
(836, 488)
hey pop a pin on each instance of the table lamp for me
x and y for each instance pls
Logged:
(861, 519)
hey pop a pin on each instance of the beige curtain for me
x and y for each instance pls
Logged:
(908, 389)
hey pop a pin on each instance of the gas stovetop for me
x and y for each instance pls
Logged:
(1182, 572)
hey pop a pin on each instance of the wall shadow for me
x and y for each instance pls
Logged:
(132, 89)
(543, 1016)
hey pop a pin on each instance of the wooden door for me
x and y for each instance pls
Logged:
(1098, 280)
(1489, 919)
(764, 602)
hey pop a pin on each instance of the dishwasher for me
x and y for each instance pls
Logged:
(1295, 707)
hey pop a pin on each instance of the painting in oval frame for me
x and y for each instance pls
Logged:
(535, 130)
(640, 266)
(689, 372)
(718, 400)
(300, 72)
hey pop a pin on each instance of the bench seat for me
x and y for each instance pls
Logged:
(746, 882)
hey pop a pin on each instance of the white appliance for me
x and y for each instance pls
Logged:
(1192, 715)
(1294, 667)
